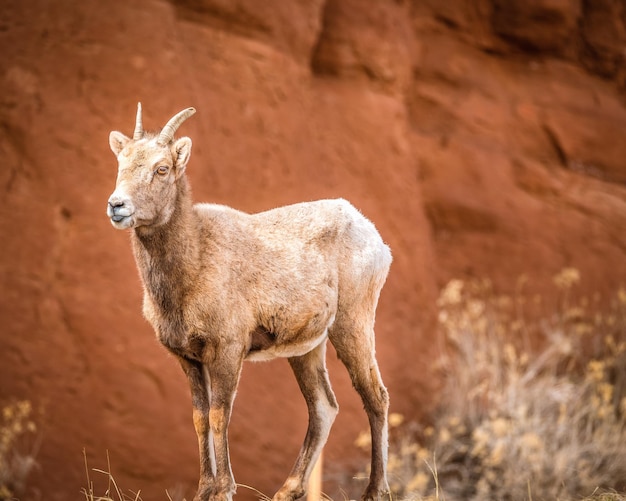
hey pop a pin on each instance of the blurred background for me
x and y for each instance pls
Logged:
(483, 138)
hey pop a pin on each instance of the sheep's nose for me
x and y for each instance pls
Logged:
(119, 207)
(116, 201)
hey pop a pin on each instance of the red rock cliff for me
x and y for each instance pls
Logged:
(483, 138)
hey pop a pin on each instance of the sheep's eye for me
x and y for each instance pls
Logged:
(162, 170)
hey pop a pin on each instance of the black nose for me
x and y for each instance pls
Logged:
(116, 202)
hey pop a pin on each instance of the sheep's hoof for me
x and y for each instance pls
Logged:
(221, 496)
(207, 491)
(216, 496)
(288, 494)
(375, 494)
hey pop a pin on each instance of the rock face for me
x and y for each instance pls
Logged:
(483, 138)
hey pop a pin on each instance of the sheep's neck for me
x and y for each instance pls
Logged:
(167, 255)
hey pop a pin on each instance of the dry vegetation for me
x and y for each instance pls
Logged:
(530, 410)
(112, 492)
(17, 448)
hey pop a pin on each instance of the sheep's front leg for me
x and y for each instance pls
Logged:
(312, 377)
(201, 410)
(224, 372)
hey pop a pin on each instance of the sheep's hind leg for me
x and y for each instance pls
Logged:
(355, 347)
(312, 377)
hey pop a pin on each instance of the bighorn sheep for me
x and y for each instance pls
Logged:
(222, 286)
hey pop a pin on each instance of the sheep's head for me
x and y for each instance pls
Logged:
(150, 165)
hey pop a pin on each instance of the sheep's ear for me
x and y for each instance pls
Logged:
(181, 151)
(117, 141)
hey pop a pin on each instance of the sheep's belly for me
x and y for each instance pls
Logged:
(292, 349)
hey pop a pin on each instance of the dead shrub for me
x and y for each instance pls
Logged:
(521, 419)
(17, 448)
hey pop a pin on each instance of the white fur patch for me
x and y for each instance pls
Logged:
(292, 349)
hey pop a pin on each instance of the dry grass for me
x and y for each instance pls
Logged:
(606, 496)
(517, 423)
(18, 446)
(112, 492)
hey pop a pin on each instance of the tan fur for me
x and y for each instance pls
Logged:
(222, 286)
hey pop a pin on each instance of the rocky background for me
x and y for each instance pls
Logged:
(484, 138)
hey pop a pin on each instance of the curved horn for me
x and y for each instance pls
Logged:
(138, 134)
(167, 134)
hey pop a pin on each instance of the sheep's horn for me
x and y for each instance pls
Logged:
(167, 134)
(138, 134)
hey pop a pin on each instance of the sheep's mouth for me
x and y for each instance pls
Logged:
(121, 222)
(121, 216)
